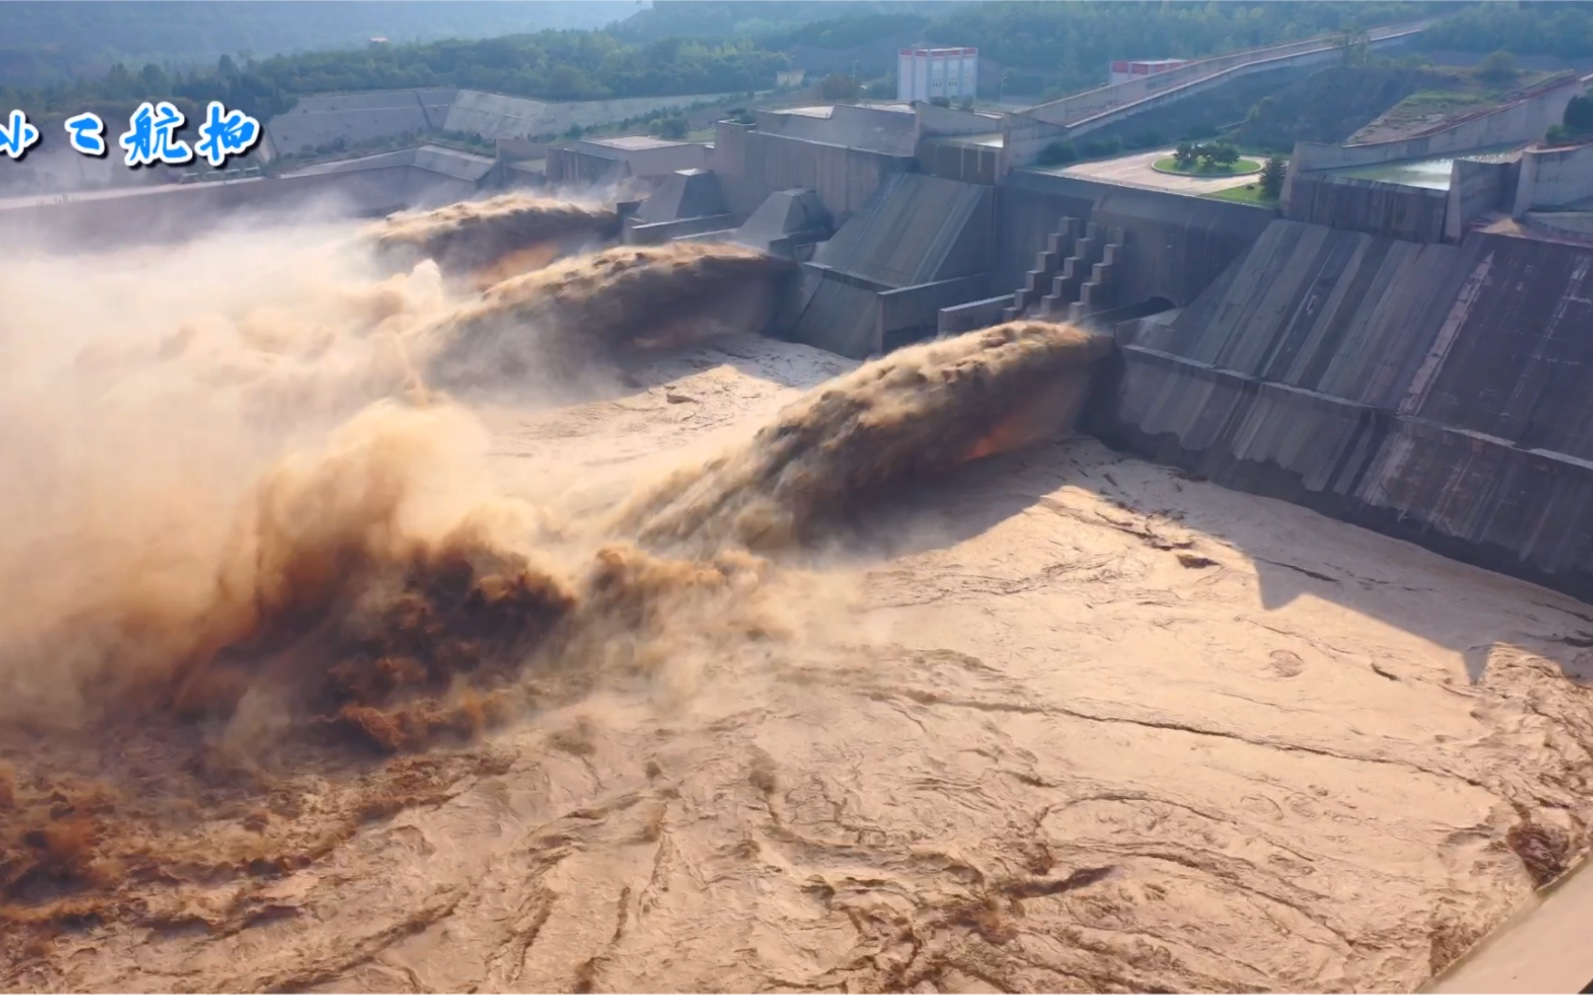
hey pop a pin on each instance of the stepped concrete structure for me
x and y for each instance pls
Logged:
(1401, 353)
(687, 202)
(920, 243)
(790, 223)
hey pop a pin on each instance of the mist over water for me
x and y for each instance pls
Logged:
(206, 440)
(250, 513)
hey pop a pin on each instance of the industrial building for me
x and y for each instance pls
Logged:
(930, 73)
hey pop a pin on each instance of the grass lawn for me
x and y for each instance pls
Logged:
(1250, 193)
(1169, 164)
(1459, 91)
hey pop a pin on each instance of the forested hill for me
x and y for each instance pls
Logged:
(1055, 45)
(1564, 29)
(1073, 42)
(736, 45)
(42, 41)
(555, 65)
(763, 20)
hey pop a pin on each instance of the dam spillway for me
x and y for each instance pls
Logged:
(1436, 393)
(1368, 752)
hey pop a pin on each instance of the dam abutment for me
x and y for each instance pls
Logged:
(1435, 393)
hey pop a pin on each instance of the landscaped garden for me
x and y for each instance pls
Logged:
(1264, 192)
(1215, 159)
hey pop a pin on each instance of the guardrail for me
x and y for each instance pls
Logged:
(1091, 104)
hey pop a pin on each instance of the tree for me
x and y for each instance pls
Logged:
(1186, 154)
(1224, 155)
(1058, 154)
(1145, 140)
(838, 86)
(673, 127)
(1101, 148)
(1354, 42)
(1260, 110)
(1579, 114)
(153, 80)
(1528, 29)
(1498, 67)
(1272, 178)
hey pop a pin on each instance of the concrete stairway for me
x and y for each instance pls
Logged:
(1097, 292)
(1083, 286)
(1075, 270)
(1059, 246)
(1071, 280)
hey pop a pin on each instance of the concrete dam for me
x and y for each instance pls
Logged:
(1339, 352)
(1412, 360)
(1435, 393)
(895, 565)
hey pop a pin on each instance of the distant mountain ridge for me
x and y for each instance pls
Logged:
(42, 42)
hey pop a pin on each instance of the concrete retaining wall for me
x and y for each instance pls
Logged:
(358, 117)
(1553, 178)
(1076, 108)
(975, 314)
(957, 161)
(916, 229)
(659, 232)
(920, 244)
(919, 306)
(174, 212)
(1523, 120)
(1029, 132)
(521, 149)
(1175, 246)
(53, 167)
(577, 168)
(1440, 393)
(935, 120)
(830, 312)
(667, 159)
(752, 165)
(1477, 189)
(1023, 138)
(1528, 514)
(1574, 225)
(493, 116)
(1371, 206)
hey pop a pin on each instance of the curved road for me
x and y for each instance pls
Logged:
(1135, 171)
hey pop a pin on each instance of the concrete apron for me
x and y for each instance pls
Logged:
(1542, 948)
